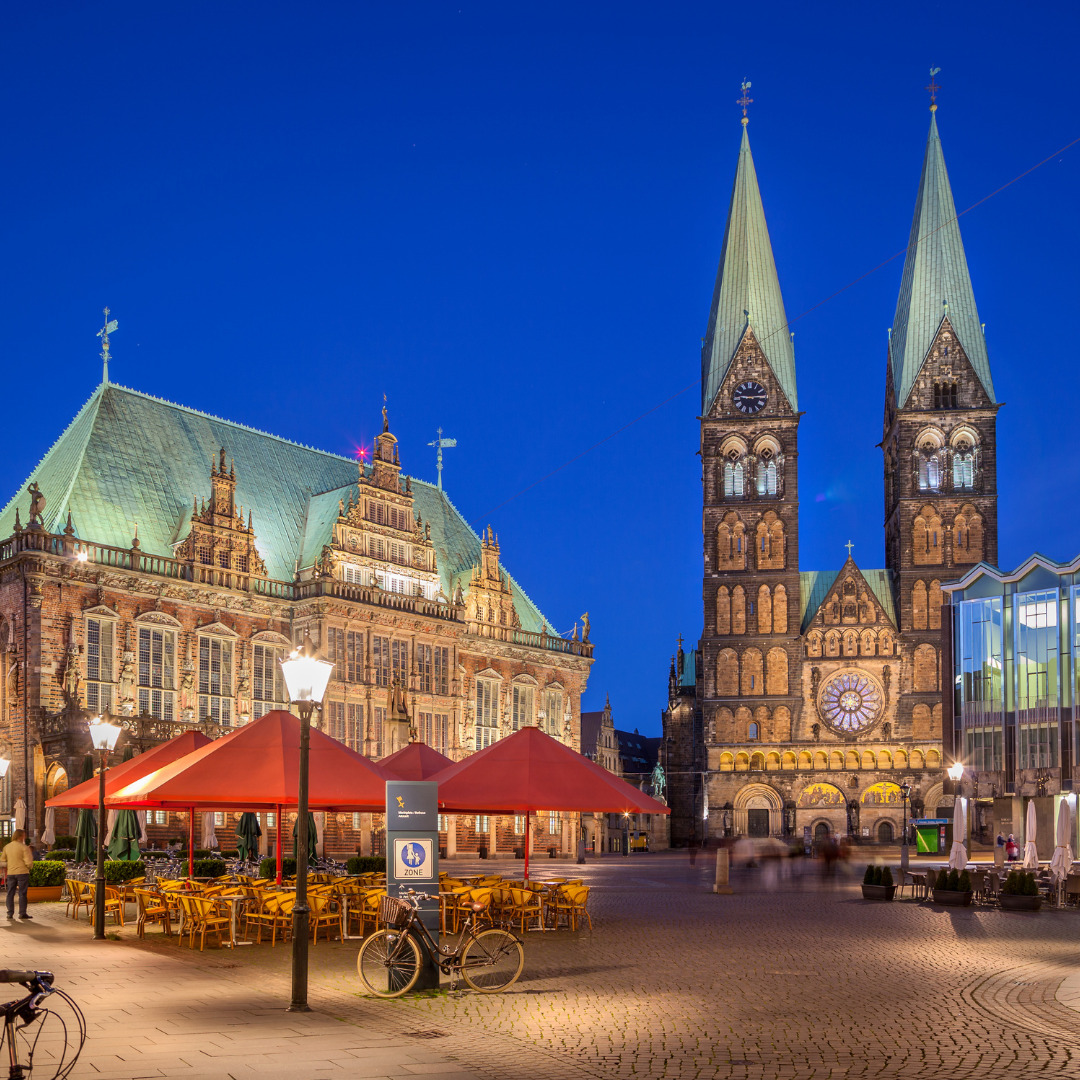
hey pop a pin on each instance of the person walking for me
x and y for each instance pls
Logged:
(1012, 849)
(18, 859)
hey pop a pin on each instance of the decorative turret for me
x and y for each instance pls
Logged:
(490, 598)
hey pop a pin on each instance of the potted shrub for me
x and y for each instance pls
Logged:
(1020, 892)
(952, 889)
(46, 880)
(878, 883)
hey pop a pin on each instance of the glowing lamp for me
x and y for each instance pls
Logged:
(103, 734)
(306, 676)
(956, 770)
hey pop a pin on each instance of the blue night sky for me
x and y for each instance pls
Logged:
(507, 217)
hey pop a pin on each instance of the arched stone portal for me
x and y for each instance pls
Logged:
(758, 810)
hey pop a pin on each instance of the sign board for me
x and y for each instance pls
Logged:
(412, 849)
(413, 861)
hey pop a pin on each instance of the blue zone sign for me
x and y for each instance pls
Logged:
(413, 861)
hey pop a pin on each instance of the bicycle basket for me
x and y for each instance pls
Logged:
(394, 913)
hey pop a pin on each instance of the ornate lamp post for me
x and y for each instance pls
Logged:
(103, 735)
(306, 679)
(905, 791)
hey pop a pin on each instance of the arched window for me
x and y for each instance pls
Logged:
(963, 467)
(764, 610)
(933, 605)
(926, 674)
(967, 535)
(777, 672)
(752, 674)
(727, 673)
(770, 542)
(928, 457)
(752, 733)
(918, 605)
(779, 610)
(734, 478)
(738, 610)
(731, 543)
(927, 546)
(723, 610)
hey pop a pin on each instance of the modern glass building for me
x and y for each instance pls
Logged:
(1014, 652)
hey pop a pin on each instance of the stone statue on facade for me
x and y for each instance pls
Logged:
(187, 686)
(326, 562)
(127, 683)
(659, 782)
(72, 678)
(37, 506)
(243, 688)
(585, 624)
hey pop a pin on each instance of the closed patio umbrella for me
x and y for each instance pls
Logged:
(20, 814)
(1031, 852)
(125, 837)
(86, 825)
(209, 837)
(1061, 863)
(312, 838)
(48, 837)
(958, 855)
(248, 832)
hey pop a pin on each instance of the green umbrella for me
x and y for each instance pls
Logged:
(129, 753)
(247, 835)
(125, 837)
(312, 838)
(86, 826)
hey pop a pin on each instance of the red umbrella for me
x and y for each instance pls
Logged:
(84, 796)
(416, 761)
(257, 766)
(530, 771)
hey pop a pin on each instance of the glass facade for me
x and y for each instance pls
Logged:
(980, 683)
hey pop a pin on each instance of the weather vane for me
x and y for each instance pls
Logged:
(439, 444)
(933, 88)
(104, 333)
(745, 100)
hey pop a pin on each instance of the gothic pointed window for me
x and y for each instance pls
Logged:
(963, 461)
(734, 476)
(767, 474)
(928, 458)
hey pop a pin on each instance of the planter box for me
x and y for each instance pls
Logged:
(951, 898)
(1010, 902)
(878, 892)
(38, 893)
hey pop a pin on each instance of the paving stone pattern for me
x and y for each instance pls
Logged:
(804, 979)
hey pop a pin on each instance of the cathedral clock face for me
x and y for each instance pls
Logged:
(749, 397)
(850, 702)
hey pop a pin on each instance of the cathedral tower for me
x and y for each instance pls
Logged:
(940, 410)
(750, 649)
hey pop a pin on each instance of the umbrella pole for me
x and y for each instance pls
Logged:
(528, 840)
(277, 842)
(191, 842)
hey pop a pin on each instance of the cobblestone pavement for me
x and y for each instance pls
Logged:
(801, 980)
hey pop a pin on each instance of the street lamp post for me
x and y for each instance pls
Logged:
(905, 791)
(103, 735)
(306, 678)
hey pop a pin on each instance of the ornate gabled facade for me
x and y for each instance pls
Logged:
(812, 695)
(123, 595)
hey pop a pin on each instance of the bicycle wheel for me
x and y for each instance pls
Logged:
(384, 973)
(492, 961)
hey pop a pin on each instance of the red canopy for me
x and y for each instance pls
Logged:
(256, 767)
(84, 796)
(416, 761)
(530, 771)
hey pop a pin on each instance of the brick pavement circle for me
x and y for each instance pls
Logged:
(803, 980)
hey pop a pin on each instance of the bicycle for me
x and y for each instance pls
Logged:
(29, 1009)
(390, 960)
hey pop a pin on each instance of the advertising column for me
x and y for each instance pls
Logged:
(412, 853)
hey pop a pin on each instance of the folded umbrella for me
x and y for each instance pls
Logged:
(86, 825)
(1031, 852)
(1061, 863)
(248, 832)
(124, 842)
(48, 837)
(958, 856)
(312, 838)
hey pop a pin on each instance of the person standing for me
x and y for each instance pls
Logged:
(18, 859)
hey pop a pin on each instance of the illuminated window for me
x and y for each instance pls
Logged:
(215, 679)
(157, 672)
(100, 634)
(487, 718)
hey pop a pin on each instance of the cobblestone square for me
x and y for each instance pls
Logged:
(792, 978)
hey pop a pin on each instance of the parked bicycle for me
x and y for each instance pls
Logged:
(390, 960)
(19, 1015)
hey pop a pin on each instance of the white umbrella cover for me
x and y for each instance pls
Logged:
(209, 837)
(111, 820)
(958, 855)
(1031, 852)
(140, 816)
(20, 814)
(320, 830)
(48, 837)
(1062, 860)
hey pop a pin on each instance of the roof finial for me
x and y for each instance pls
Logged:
(104, 333)
(849, 545)
(933, 88)
(744, 101)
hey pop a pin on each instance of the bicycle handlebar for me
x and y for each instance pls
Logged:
(15, 976)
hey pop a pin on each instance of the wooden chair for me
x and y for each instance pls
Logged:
(577, 897)
(325, 912)
(79, 895)
(152, 908)
(114, 904)
(526, 906)
(205, 919)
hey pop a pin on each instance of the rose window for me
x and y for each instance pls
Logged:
(850, 701)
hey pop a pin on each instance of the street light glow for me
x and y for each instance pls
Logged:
(103, 734)
(306, 676)
(956, 770)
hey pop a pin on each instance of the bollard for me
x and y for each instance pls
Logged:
(723, 864)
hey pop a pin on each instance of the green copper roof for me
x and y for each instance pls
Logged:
(935, 274)
(747, 292)
(128, 458)
(814, 586)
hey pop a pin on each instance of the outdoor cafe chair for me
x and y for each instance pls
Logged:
(324, 913)
(114, 904)
(204, 917)
(1072, 889)
(78, 896)
(526, 906)
(577, 897)
(152, 908)
(364, 909)
(276, 916)
(463, 907)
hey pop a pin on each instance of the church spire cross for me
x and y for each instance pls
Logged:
(933, 87)
(103, 333)
(745, 100)
(849, 545)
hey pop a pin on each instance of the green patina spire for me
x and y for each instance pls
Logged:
(747, 293)
(936, 282)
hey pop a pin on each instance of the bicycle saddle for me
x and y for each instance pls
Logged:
(477, 907)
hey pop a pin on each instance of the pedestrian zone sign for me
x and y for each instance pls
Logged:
(412, 860)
